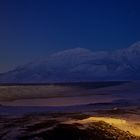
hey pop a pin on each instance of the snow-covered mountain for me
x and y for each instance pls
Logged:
(80, 65)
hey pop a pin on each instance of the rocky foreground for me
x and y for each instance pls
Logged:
(57, 126)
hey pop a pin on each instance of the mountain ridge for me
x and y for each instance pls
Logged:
(80, 64)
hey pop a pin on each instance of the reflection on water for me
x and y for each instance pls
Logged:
(68, 94)
(61, 101)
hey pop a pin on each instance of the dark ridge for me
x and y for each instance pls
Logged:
(96, 131)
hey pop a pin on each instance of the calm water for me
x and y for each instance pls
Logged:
(88, 93)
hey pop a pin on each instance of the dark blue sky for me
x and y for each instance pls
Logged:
(30, 29)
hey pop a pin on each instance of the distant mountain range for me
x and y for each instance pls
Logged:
(79, 64)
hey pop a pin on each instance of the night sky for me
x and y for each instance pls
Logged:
(32, 29)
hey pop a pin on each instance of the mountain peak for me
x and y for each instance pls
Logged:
(75, 51)
(135, 46)
(78, 49)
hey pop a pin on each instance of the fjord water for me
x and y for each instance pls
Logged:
(76, 94)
